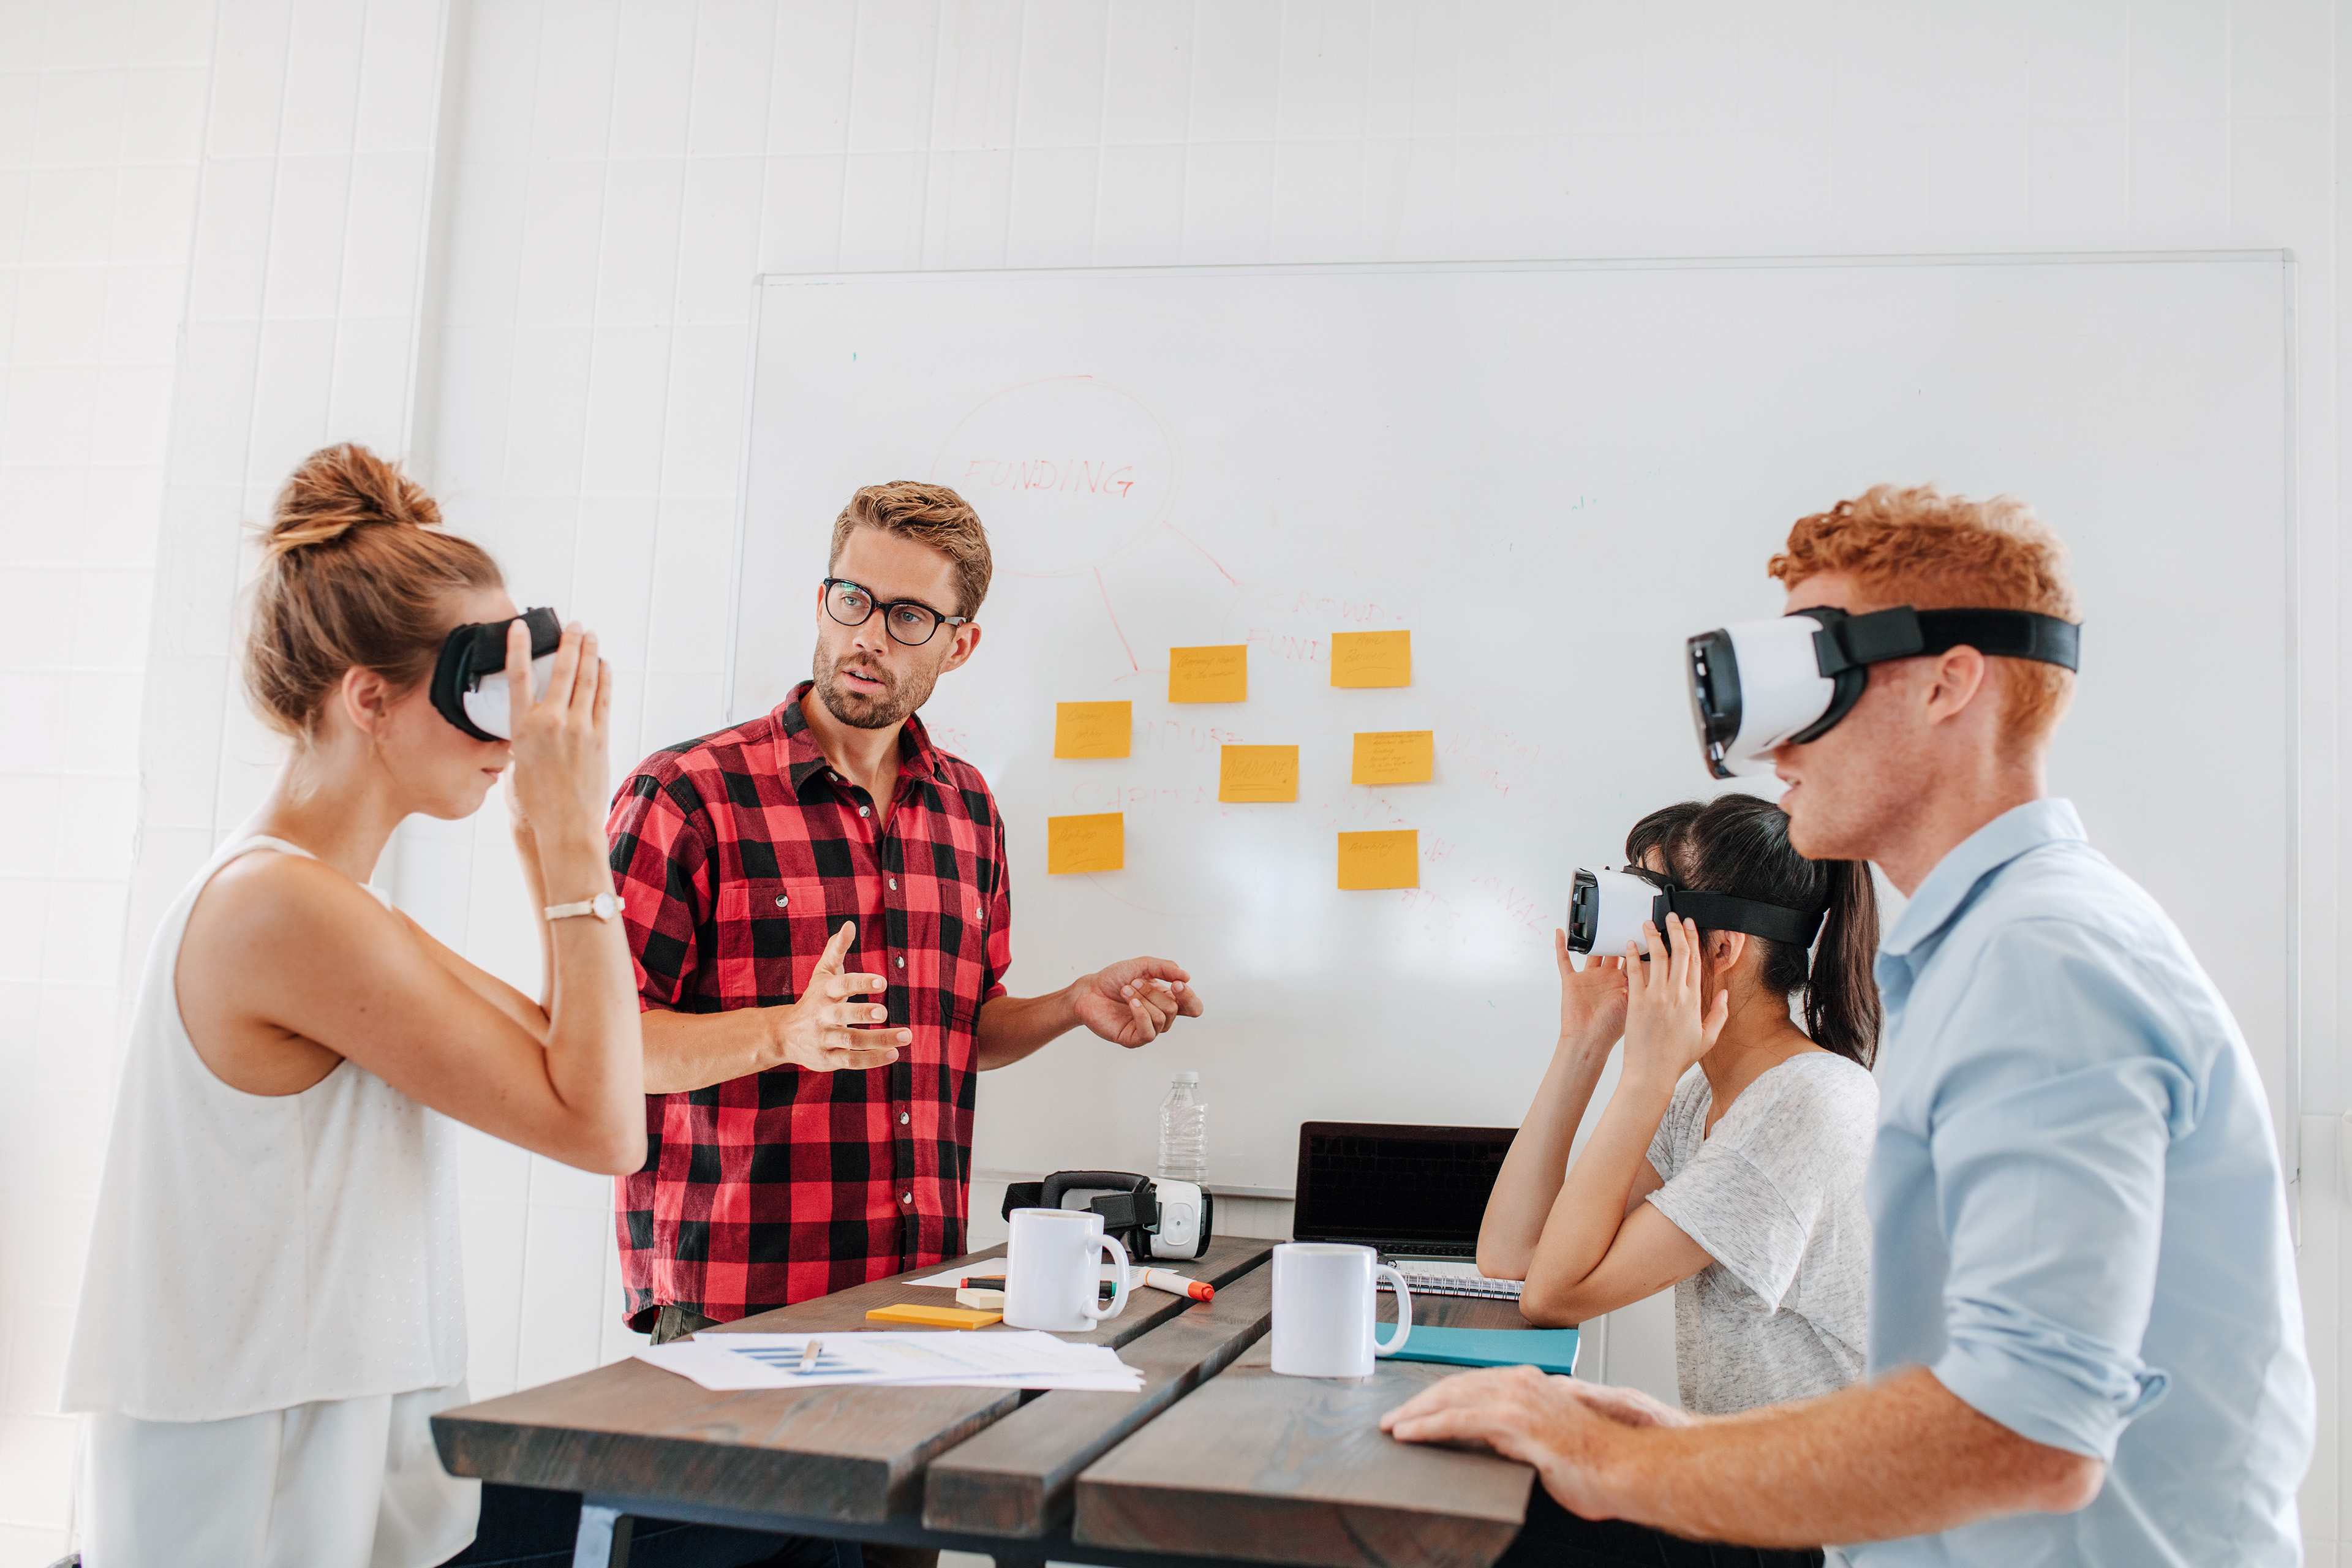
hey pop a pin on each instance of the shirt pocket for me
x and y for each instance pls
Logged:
(771, 933)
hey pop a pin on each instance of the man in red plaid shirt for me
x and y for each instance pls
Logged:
(817, 898)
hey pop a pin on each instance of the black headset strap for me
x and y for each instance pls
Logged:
(1721, 911)
(1852, 641)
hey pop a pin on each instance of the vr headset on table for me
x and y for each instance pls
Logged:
(1758, 685)
(469, 682)
(1152, 1218)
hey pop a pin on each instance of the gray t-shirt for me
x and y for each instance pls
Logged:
(1774, 1194)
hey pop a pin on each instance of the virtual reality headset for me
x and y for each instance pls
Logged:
(1758, 685)
(469, 683)
(1150, 1219)
(1606, 908)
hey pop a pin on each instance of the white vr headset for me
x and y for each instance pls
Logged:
(1758, 685)
(469, 682)
(1606, 910)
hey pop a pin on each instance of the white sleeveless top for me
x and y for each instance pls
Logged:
(256, 1252)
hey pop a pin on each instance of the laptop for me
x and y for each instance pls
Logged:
(1415, 1194)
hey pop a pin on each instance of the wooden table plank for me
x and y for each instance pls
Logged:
(1296, 1470)
(1018, 1477)
(851, 1454)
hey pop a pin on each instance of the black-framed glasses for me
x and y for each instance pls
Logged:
(908, 621)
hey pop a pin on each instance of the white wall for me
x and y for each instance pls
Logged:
(101, 110)
(515, 240)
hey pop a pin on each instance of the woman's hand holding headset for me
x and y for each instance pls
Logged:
(1667, 1032)
(561, 776)
(1591, 1000)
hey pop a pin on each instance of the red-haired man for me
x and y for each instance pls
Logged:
(2086, 1343)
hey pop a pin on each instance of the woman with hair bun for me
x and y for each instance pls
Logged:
(272, 1309)
(1728, 1161)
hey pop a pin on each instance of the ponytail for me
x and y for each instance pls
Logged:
(1738, 844)
(1842, 1011)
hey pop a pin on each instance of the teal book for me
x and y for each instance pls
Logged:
(1553, 1350)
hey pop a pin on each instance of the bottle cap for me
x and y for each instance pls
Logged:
(1188, 1078)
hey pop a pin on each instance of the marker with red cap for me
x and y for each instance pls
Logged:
(1177, 1285)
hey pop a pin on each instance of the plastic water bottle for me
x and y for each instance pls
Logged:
(1185, 1130)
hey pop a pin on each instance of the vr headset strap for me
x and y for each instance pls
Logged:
(1721, 911)
(1130, 1202)
(1851, 642)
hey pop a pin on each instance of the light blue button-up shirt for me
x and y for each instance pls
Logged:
(2078, 1220)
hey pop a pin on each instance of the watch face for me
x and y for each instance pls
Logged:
(605, 906)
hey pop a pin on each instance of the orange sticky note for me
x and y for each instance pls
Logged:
(1380, 860)
(1395, 756)
(1371, 658)
(1096, 843)
(1209, 674)
(1093, 729)
(1257, 774)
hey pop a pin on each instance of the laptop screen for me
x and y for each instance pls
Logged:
(1389, 1182)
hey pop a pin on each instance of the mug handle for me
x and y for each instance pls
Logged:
(1111, 1245)
(1405, 1314)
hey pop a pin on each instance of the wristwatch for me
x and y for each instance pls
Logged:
(603, 906)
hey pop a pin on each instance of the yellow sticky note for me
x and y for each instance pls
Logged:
(1209, 674)
(934, 1317)
(1096, 843)
(1093, 729)
(1395, 756)
(1257, 774)
(1380, 860)
(1371, 658)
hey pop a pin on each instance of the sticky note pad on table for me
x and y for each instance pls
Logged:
(1371, 658)
(1209, 674)
(1092, 729)
(1380, 860)
(1096, 843)
(1257, 774)
(934, 1317)
(1395, 756)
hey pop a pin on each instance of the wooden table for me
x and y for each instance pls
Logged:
(1215, 1457)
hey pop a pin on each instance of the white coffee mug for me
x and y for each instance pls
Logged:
(1050, 1278)
(1323, 1299)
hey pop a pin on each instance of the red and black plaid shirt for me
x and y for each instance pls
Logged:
(738, 855)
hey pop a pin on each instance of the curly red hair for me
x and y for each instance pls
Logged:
(1919, 546)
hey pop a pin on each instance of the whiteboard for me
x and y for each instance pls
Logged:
(1550, 474)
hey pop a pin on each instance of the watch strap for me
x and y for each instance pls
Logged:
(586, 907)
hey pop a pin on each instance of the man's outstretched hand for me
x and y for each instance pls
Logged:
(828, 1031)
(1136, 1000)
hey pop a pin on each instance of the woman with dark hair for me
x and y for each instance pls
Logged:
(1728, 1161)
(1727, 1164)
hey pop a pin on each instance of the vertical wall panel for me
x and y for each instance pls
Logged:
(101, 111)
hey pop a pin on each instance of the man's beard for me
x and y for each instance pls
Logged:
(876, 710)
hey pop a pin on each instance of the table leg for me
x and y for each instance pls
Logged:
(603, 1539)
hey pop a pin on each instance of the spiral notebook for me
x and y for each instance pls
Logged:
(1434, 1277)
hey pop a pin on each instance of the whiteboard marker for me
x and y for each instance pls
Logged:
(1177, 1285)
